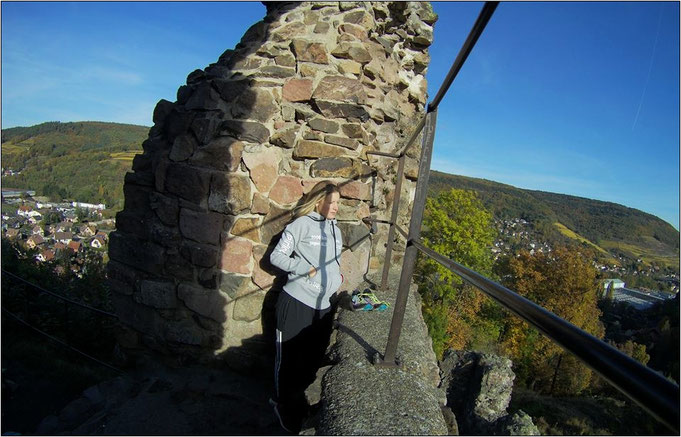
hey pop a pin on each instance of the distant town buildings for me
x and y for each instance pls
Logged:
(68, 237)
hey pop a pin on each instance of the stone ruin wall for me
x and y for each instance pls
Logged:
(303, 97)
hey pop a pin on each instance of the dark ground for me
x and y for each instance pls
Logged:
(46, 395)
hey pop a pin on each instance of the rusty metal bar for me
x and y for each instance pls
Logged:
(389, 155)
(401, 231)
(652, 391)
(393, 222)
(414, 233)
(468, 45)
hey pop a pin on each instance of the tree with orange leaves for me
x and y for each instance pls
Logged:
(563, 282)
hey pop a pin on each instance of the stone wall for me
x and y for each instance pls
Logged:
(303, 97)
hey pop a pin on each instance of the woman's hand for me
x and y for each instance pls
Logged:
(312, 272)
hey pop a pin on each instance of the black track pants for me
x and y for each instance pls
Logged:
(302, 336)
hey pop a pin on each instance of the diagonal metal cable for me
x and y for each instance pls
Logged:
(56, 340)
(51, 293)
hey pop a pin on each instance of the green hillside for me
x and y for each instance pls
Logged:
(85, 161)
(603, 226)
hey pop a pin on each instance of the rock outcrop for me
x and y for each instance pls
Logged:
(478, 390)
(356, 397)
(304, 96)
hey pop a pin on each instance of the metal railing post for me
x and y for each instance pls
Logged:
(393, 222)
(411, 251)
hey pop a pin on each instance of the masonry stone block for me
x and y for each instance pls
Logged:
(297, 90)
(166, 208)
(157, 294)
(321, 124)
(315, 149)
(177, 123)
(231, 89)
(352, 209)
(348, 143)
(161, 111)
(274, 222)
(185, 332)
(288, 32)
(341, 89)
(163, 235)
(234, 285)
(179, 267)
(263, 270)
(136, 253)
(339, 168)
(247, 227)
(183, 147)
(204, 98)
(131, 223)
(202, 255)
(137, 198)
(255, 104)
(136, 315)
(222, 153)
(230, 193)
(352, 50)
(286, 190)
(236, 255)
(187, 182)
(206, 302)
(248, 131)
(342, 110)
(122, 273)
(263, 167)
(355, 190)
(307, 51)
(205, 126)
(249, 307)
(202, 227)
(286, 138)
(261, 204)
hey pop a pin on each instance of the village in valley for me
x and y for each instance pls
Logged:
(58, 230)
(518, 234)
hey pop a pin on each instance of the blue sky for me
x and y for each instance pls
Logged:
(576, 98)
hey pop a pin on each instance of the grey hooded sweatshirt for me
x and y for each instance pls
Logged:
(310, 241)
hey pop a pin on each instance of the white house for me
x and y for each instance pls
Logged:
(99, 206)
(616, 283)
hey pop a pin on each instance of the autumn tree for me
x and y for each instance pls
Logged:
(457, 226)
(563, 282)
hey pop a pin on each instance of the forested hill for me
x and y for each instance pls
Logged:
(615, 228)
(85, 161)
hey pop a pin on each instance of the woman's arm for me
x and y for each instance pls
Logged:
(281, 255)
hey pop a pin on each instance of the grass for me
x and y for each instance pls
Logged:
(650, 253)
(12, 148)
(575, 236)
(585, 415)
(124, 156)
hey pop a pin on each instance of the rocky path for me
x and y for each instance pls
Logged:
(170, 402)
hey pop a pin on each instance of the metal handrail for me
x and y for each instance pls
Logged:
(649, 389)
(468, 45)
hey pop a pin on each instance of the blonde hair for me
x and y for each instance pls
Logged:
(310, 200)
